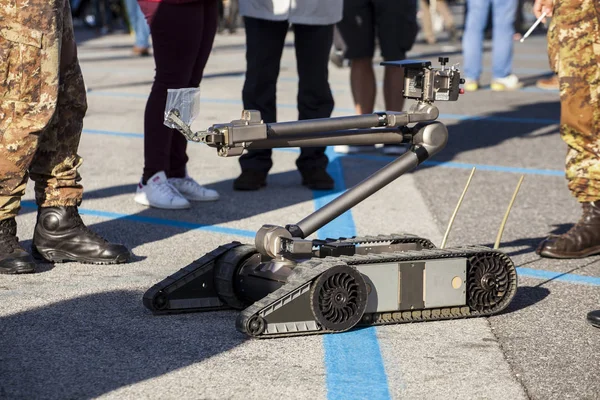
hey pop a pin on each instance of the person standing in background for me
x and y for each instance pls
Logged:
(103, 17)
(441, 7)
(182, 32)
(266, 24)
(395, 24)
(137, 22)
(503, 29)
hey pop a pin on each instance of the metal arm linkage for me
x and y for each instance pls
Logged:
(426, 138)
(249, 132)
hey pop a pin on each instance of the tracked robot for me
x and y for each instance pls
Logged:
(286, 284)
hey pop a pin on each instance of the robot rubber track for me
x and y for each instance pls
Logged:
(335, 294)
(179, 293)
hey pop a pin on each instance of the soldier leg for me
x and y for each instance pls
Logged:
(579, 76)
(60, 234)
(576, 62)
(54, 168)
(29, 48)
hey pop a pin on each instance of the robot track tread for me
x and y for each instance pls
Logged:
(306, 272)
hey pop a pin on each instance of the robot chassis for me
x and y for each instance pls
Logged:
(288, 285)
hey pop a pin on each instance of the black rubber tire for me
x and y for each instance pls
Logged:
(489, 282)
(160, 302)
(226, 268)
(338, 298)
(256, 325)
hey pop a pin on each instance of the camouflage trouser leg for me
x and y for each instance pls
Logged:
(42, 104)
(54, 167)
(574, 51)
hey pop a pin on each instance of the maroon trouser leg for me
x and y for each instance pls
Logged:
(182, 39)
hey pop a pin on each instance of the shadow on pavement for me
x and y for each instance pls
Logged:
(231, 74)
(530, 244)
(526, 296)
(468, 135)
(92, 345)
(283, 190)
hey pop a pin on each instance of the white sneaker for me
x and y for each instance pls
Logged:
(159, 193)
(192, 190)
(344, 149)
(508, 83)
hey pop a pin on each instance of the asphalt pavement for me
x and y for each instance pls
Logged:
(76, 331)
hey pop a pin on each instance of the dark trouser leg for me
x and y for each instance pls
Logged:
(264, 46)
(176, 50)
(313, 44)
(206, 30)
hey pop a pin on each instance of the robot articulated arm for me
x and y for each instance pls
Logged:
(417, 127)
(422, 83)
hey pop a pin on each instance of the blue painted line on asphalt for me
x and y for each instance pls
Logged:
(354, 366)
(541, 121)
(558, 276)
(383, 158)
(353, 362)
(158, 221)
(538, 90)
(459, 165)
(526, 272)
(342, 226)
(101, 93)
(496, 168)
(113, 133)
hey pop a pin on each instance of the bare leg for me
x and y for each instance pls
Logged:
(393, 84)
(426, 23)
(363, 84)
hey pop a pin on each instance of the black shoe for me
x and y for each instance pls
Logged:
(582, 240)
(593, 318)
(250, 180)
(60, 235)
(317, 179)
(13, 258)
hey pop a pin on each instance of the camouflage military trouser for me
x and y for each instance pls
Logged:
(574, 52)
(42, 104)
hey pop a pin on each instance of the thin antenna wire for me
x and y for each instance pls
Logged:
(456, 209)
(497, 244)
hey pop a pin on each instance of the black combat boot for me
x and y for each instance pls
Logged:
(13, 258)
(582, 240)
(60, 235)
